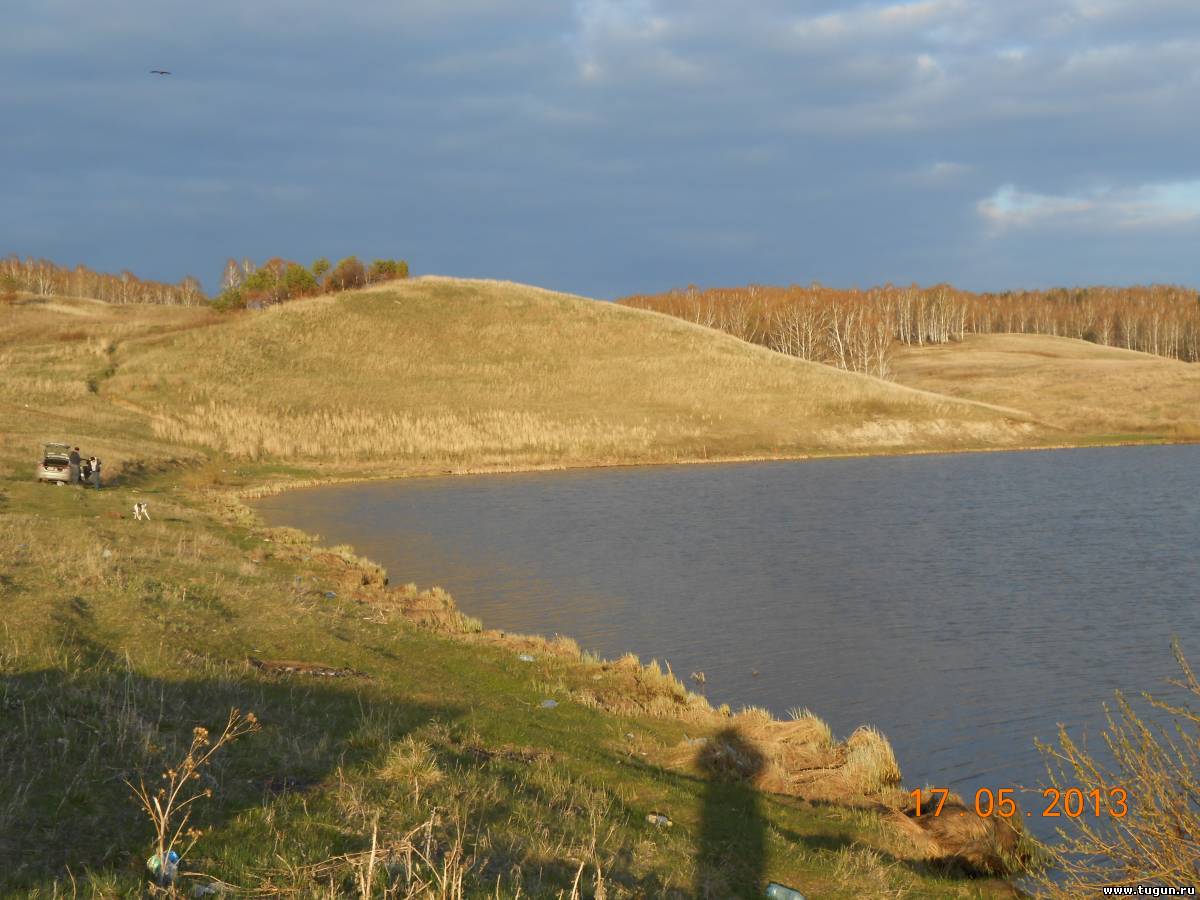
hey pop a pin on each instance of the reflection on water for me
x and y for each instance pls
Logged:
(962, 604)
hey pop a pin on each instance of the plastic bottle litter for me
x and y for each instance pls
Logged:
(330, 595)
(525, 657)
(659, 819)
(549, 704)
(164, 875)
(779, 892)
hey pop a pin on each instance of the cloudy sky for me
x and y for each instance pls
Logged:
(610, 146)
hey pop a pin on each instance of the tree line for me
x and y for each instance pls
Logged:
(42, 278)
(243, 285)
(247, 285)
(858, 329)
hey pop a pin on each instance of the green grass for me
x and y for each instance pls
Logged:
(119, 637)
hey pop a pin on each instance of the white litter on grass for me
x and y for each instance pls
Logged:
(525, 657)
(106, 553)
(779, 892)
(549, 704)
(659, 819)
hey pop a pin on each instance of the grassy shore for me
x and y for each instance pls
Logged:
(385, 715)
(389, 720)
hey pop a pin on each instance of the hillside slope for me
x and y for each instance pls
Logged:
(398, 746)
(1090, 392)
(486, 373)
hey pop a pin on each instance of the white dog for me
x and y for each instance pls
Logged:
(141, 510)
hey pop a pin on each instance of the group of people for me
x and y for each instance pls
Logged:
(84, 471)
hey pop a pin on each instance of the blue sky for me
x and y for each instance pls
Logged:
(611, 146)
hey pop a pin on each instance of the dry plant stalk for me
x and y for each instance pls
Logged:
(169, 806)
(1158, 840)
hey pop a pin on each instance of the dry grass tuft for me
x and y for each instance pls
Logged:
(797, 757)
(412, 760)
(959, 839)
(870, 762)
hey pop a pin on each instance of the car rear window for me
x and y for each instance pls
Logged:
(55, 461)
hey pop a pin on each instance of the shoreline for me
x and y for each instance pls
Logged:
(272, 488)
(565, 644)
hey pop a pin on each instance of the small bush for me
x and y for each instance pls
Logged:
(230, 298)
(387, 270)
(347, 274)
(298, 282)
(1157, 841)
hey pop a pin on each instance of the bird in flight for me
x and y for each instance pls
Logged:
(159, 72)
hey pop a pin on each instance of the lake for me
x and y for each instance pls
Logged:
(963, 604)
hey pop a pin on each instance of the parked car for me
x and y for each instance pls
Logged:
(56, 464)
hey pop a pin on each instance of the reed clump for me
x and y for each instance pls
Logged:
(797, 757)
(953, 836)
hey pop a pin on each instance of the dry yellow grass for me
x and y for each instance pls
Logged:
(437, 371)
(1086, 390)
(475, 374)
(56, 357)
(488, 373)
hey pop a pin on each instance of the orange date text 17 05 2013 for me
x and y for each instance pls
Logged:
(1058, 803)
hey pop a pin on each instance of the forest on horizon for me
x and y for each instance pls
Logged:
(852, 329)
(859, 329)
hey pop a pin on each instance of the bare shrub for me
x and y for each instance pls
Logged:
(169, 807)
(1155, 775)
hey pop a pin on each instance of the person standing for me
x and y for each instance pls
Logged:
(96, 472)
(73, 466)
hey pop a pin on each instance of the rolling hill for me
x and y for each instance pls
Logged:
(486, 373)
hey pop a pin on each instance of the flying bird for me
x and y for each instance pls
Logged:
(159, 72)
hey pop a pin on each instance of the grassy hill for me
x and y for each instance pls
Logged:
(483, 373)
(388, 720)
(1087, 392)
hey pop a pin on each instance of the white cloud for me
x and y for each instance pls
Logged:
(1160, 205)
(622, 37)
(894, 18)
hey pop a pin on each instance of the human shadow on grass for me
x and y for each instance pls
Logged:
(71, 737)
(731, 850)
(731, 846)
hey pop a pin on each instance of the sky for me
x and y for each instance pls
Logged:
(607, 147)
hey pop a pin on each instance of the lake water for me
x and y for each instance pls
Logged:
(962, 604)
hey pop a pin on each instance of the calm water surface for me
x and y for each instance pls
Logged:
(962, 604)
